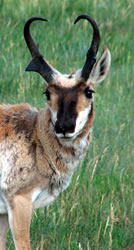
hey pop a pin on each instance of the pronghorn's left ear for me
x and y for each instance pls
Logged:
(101, 68)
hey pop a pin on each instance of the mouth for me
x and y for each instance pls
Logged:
(66, 138)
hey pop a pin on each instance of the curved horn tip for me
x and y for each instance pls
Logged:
(30, 20)
(77, 19)
(84, 16)
(92, 51)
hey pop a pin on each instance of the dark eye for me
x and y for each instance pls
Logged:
(47, 93)
(89, 92)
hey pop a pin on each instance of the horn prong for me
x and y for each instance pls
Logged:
(38, 63)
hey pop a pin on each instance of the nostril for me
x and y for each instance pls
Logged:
(64, 128)
(70, 128)
(59, 129)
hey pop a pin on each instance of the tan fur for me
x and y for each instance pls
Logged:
(35, 163)
(35, 159)
(20, 213)
(82, 103)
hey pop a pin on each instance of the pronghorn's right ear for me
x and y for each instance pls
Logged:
(101, 68)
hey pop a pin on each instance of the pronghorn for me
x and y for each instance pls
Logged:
(40, 150)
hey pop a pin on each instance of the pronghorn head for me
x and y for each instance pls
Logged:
(70, 97)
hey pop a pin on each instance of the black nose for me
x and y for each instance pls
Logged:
(62, 128)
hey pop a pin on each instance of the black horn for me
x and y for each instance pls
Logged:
(38, 63)
(91, 54)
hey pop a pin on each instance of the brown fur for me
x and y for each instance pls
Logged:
(35, 164)
(17, 119)
(36, 157)
(30, 134)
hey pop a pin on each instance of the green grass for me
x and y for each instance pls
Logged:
(97, 210)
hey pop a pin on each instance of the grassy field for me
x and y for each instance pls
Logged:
(97, 210)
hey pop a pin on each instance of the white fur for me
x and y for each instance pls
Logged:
(82, 119)
(41, 198)
(6, 162)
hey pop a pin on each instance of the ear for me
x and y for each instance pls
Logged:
(101, 68)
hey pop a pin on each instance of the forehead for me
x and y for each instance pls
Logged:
(65, 91)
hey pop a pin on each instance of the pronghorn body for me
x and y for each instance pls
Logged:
(31, 156)
(40, 150)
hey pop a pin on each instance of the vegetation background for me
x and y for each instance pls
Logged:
(97, 210)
